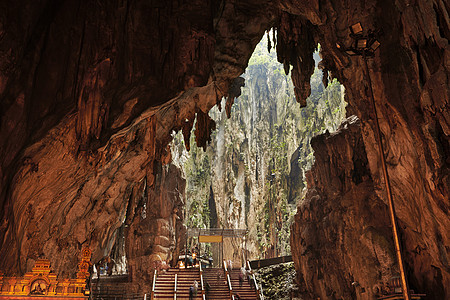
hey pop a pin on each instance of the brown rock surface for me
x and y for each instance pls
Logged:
(341, 231)
(409, 75)
(91, 91)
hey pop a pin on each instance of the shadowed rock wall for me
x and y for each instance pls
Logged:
(409, 76)
(341, 231)
(90, 93)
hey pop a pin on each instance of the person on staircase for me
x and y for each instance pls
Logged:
(190, 261)
(191, 292)
(195, 288)
(218, 276)
(210, 261)
(194, 257)
(241, 276)
(110, 263)
(230, 265)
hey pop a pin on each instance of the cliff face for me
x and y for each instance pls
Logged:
(252, 173)
(409, 75)
(90, 94)
(341, 224)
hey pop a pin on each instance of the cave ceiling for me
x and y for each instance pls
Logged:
(91, 91)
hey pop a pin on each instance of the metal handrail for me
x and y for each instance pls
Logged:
(229, 286)
(201, 276)
(201, 281)
(152, 295)
(175, 288)
(229, 282)
(228, 279)
(258, 289)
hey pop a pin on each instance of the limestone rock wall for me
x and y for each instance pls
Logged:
(409, 75)
(90, 93)
(154, 228)
(341, 232)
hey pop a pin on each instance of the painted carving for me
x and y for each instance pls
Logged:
(42, 282)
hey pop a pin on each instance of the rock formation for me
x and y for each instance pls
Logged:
(253, 169)
(341, 224)
(409, 74)
(90, 95)
(91, 92)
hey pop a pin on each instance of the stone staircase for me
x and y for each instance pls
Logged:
(246, 292)
(218, 285)
(215, 284)
(165, 284)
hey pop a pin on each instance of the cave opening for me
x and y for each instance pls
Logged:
(252, 174)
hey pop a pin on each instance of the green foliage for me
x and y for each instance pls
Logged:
(276, 128)
(277, 281)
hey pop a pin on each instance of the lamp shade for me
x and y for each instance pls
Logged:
(375, 45)
(361, 44)
(356, 28)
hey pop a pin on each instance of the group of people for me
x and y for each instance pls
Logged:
(245, 274)
(105, 265)
(192, 258)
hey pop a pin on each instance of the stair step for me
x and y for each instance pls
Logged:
(165, 284)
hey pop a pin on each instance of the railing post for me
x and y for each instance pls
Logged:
(152, 295)
(229, 286)
(175, 289)
(201, 281)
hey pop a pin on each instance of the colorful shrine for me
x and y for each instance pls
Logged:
(42, 283)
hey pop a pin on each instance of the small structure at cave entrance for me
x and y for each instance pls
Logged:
(42, 283)
(214, 235)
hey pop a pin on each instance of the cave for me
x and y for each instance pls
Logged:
(251, 174)
(92, 92)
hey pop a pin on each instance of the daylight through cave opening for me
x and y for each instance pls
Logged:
(252, 174)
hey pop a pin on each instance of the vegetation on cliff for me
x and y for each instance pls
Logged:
(252, 174)
(278, 281)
